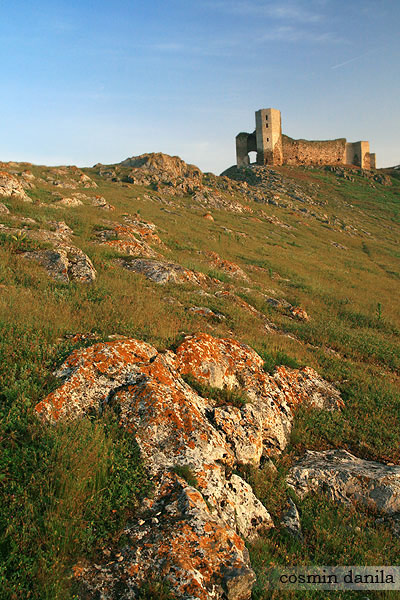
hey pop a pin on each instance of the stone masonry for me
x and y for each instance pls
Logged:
(273, 148)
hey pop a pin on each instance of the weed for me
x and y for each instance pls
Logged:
(221, 396)
(186, 472)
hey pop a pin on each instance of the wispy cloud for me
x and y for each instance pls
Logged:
(302, 12)
(288, 33)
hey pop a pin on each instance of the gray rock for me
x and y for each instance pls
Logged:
(65, 263)
(163, 272)
(291, 520)
(346, 478)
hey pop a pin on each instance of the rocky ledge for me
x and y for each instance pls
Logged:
(346, 478)
(192, 530)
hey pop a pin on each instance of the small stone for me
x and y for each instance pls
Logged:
(291, 520)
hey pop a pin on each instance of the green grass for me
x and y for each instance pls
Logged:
(220, 396)
(186, 472)
(56, 507)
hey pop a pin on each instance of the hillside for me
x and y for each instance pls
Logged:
(199, 376)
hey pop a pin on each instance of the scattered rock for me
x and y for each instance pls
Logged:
(69, 202)
(346, 478)
(337, 245)
(101, 202)
(291, 311)
(299, 313)
(207, 312)
(163, 272)
(86, 182)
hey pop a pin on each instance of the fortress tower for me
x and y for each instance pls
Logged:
(269, 136)
(273, 148)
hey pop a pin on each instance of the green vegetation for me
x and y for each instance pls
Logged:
(66, 490)
(186, 472)
(221, 396)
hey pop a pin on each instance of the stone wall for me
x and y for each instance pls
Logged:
(273, 148)
(305, 152)
(245, 143)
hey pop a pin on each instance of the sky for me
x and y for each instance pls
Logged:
(83, 82)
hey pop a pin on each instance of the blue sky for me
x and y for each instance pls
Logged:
(86, 82)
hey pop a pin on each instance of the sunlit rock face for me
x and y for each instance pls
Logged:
(189, 532)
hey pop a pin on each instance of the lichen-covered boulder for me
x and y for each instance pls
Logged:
(65, 263)
(228, 363)
(132, 238)
(347, 478)
(191, 536)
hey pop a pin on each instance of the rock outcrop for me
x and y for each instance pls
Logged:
(230, 268)
(191, 530)
(10, 187)
(346, 478)
(65, 263)
(133, 237)
(163, 272)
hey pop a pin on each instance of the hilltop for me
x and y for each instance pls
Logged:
(200, 376)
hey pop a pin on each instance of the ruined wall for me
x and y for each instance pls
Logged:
(357, 153)
(273, 148)
(372, 160)
(245, 143)
(305, 152)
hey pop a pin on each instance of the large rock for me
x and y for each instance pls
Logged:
(346, 478)
(227, 363)
(65, 263)
(192, 536)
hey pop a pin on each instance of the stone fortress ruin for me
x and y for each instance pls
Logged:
(274, 148)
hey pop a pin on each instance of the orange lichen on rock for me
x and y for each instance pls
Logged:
(192, 537)
(230, 268)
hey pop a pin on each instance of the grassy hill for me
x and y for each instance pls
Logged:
(302, 264)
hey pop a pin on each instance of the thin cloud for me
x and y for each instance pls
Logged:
(290, 11)
(288, 33)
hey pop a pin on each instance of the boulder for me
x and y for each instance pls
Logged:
(346, 478)
(65, 263)
(191, 530)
